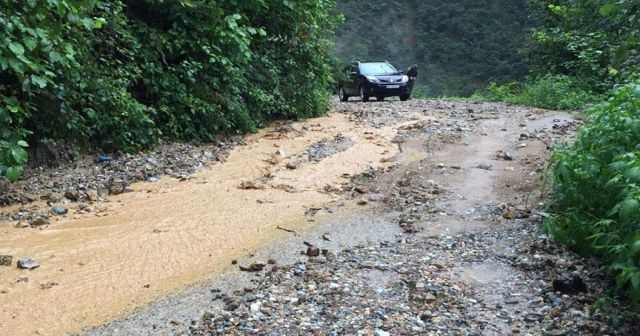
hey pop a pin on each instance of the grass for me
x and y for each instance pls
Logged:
(557, 92)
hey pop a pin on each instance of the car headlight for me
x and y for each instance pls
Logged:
(405, 79)
(373, 79)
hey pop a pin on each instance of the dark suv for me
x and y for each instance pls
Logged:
(375, 79)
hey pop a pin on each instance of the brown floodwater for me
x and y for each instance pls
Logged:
(168, 235)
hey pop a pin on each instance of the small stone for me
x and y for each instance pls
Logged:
(255, 307)
(271, 261)
(72, 195)
(232, 305)
(510, 213)
(6, 260)
(380, 332)
(40, 221)
(59, 210)
(430, 297)
(313, 251)
(92, 195)
(533, 317)
(291, 165)
(484, 166)
(255, 267)
(363, 201)
(28, 263)
(360, 190)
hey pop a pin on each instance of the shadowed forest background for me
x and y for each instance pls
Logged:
(460, 45)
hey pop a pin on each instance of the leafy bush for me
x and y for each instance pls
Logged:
(595, 40)
(596, 189)
(117, 75)
(549, 91)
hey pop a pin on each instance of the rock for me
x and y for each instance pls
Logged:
(426, 315)
(6, 260)
(504, 156)
(484, 166)
(360, 190)
(92, 195)
(533, 317)
(40, 221)
(28, 263)
(59, 210)
(291, 165)
(380, 332)
(313, 251)
(255, 307)
(363, 201)
(250, 185)
(72, 195)
(430, 297)
(510, 213)
(255, 267)
(232, 305)
(271, 261)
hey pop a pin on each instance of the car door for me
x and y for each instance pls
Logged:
(351, 87)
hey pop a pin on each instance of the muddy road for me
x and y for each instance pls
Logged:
(382, 218)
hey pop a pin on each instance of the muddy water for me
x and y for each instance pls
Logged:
(167, 235)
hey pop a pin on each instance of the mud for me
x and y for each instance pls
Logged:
(163, 236)
(399, 191)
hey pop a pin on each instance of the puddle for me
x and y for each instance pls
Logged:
(165, 236)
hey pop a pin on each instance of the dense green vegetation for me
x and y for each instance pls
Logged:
(595, 41)
(546, 91)
(596, 188)
(119, 75)
(592, 46)
(459, 45)
(578, 51)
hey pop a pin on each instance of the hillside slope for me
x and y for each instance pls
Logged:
(460, 45)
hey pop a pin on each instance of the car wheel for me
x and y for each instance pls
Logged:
(380, 98)
(363, 94)
(343, 96)
(405, 97)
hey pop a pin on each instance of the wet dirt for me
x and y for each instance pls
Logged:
(164, 236)
(409, 192)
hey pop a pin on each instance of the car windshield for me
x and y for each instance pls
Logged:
(377, 69)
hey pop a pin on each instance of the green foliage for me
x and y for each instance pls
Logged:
(549, 91)
(460, 46)
(117, 75)
(596, 40)
(596, 189)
